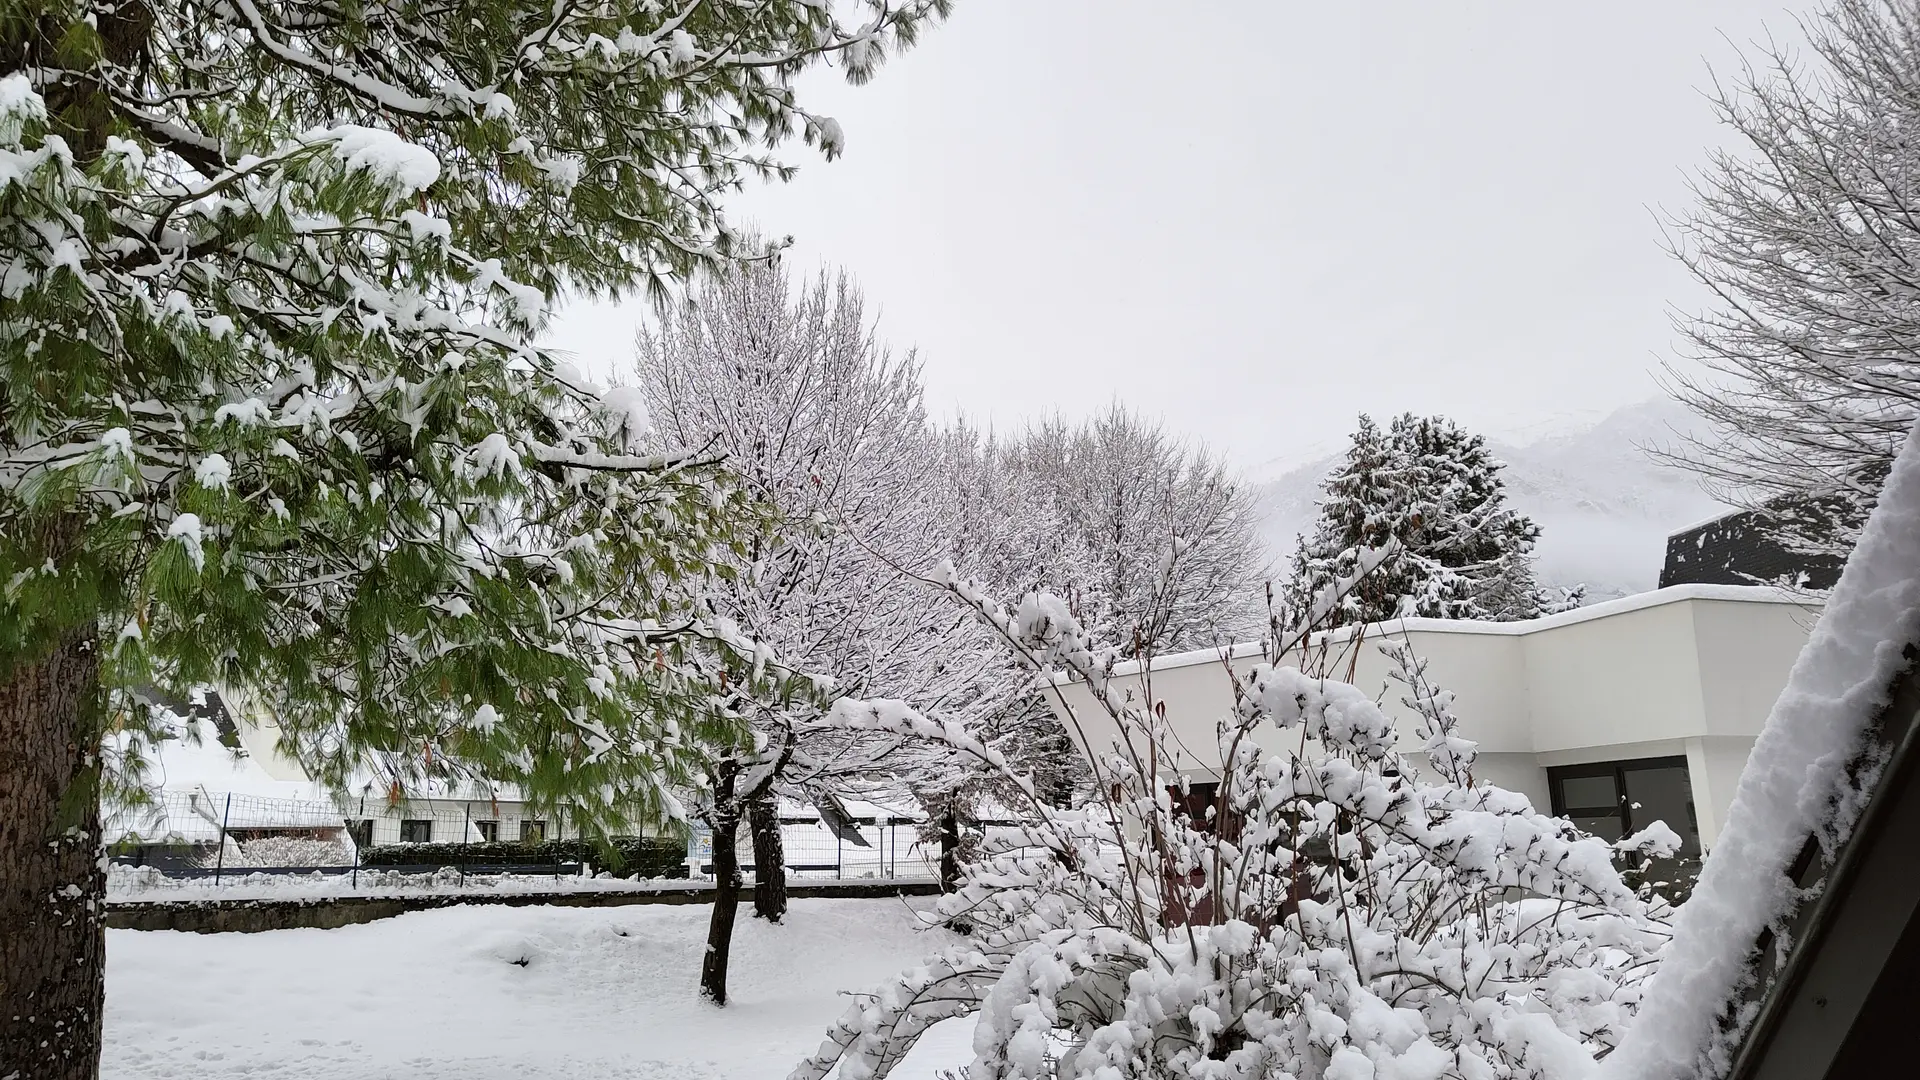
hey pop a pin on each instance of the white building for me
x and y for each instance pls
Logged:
(229, 777)
(1614, 715)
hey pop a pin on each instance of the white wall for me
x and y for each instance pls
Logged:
(1745, 653)
(1689, 670)
(1626, 678)
(1714, 763)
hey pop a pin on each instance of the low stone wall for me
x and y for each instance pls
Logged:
(331, 912)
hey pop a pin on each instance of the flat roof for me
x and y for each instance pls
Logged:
(1673, 594)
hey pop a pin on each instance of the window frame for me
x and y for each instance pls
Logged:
(1617, 769)
(426, 825)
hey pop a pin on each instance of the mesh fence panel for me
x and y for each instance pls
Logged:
(199, 833)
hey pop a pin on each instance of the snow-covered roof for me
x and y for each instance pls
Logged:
(1722, 515)
(199, 760)
(1673, 594)
(1797, 783)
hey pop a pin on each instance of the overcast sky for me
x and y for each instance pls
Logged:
(1257, 219)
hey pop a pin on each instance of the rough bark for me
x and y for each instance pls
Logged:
(769, 860)
(52, 886)
(725, 822)
(52, 881)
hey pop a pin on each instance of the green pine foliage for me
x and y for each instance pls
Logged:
(1423, 507)
(270, 415)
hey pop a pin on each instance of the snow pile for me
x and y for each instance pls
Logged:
(493, 993)
(1795, 783)
(289, 851)
(388, 158)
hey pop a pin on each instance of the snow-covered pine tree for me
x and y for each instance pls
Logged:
(270, 416)
(827, 426)
(1430, 493)
(1461, 517)
(1367, 506)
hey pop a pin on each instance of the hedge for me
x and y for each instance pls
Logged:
(645, 856)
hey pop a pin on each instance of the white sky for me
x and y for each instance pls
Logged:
(1256, 219)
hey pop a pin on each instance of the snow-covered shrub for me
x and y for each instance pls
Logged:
(1328, 914)
(287, 851)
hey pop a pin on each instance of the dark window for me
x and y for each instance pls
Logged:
(489, 830)
(1201, 805)
(1664, 793)
(1615, 799)
(361, 830)
(532, 830)
(416, 831)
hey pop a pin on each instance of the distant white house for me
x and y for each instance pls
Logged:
(1614, 715)
(228, 777)
(228, 774)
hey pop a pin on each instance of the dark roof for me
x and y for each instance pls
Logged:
(210, 707)
(1746, 548)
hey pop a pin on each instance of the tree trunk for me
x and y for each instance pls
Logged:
(949, 851)
(52, 886)
(725, 822)
(769, 860)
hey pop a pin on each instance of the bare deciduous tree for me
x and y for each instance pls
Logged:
(827, 426)
(1808, 237)
(1175, 555)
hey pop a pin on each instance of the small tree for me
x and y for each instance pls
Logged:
(1807, 236)
(1431, 492)
(1331, 912)
(826, 425)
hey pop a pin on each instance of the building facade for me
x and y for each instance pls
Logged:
(1614, 715)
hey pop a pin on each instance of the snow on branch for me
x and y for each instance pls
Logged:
(1317, 912)
(1806, 776)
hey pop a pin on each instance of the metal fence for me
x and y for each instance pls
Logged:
(218, 836)
(885, 849)
(202, 834)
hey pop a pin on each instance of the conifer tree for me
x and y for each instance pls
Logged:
(270, 415)
(1424, 497)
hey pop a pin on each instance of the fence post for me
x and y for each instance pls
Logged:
(839, 854)
(220, 859)
(466, 840)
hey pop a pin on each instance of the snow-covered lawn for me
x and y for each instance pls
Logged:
(496, 993)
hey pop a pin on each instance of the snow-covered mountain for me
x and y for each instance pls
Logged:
(1604, 507)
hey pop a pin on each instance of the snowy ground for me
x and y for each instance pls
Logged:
(445, 995)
